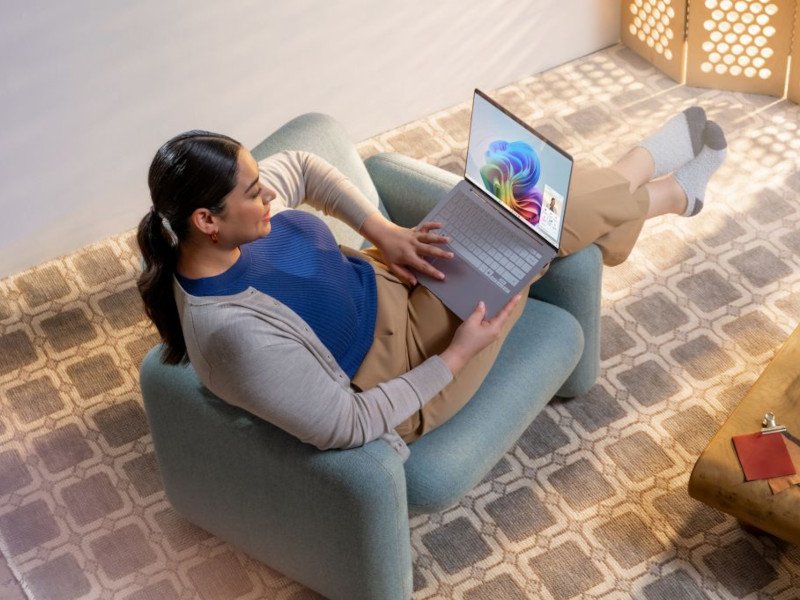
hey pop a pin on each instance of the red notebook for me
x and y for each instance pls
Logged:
(763, 456)
(778, 484)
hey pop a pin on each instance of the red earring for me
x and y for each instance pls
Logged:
(214, 237)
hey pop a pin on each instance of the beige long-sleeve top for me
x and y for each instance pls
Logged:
(256, 353)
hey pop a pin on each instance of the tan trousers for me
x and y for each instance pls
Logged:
(413, 325)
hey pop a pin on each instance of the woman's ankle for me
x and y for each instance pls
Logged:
(666, 197)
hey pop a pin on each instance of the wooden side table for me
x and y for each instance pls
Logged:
(717, 478)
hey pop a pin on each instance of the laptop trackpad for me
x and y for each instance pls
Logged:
(459, 291)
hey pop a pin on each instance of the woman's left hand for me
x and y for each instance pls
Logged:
(404, 249)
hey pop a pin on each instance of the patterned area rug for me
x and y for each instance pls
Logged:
(592, 501)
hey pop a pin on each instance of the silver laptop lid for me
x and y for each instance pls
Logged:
(518, 168)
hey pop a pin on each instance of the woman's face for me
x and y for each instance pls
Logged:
(246, 216)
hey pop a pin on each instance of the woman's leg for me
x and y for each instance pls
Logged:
(430, 329)
(387, 357)
(608, 206)
(602, 209)
(666, 194)
(412, 325)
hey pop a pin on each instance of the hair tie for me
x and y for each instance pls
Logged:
(166, 226)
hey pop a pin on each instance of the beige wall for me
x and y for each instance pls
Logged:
(90, 88)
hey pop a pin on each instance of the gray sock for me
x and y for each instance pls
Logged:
(677, 142)
(694, 175)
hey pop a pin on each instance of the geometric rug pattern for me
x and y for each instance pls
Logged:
(590, 503)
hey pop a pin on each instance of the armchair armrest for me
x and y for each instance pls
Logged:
(336, 521)
(575, 283)
(408, 188)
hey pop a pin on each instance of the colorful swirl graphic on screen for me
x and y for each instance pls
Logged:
(511, 172)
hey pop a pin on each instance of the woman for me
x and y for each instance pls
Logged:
(340, 347)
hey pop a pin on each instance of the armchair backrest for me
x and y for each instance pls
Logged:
(327, 138)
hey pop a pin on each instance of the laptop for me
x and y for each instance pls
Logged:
(505, 218)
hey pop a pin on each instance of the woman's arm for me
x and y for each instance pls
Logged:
(278, 378)
(301, 177)
(275, 373)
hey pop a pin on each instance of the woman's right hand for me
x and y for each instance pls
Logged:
(474, 334)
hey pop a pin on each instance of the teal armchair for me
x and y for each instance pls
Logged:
(337, 520)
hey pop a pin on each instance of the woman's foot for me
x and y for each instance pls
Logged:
(677, 142)
(693, 177)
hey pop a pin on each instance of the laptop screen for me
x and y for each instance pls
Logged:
(518, 168)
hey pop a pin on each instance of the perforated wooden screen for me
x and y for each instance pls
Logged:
(655, 30)
(794, 74)
(741, 45)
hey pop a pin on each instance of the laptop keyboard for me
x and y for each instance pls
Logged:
(473, 237)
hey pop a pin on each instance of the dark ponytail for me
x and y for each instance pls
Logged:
(193, 170)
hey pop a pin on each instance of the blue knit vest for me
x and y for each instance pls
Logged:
(300, 265)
